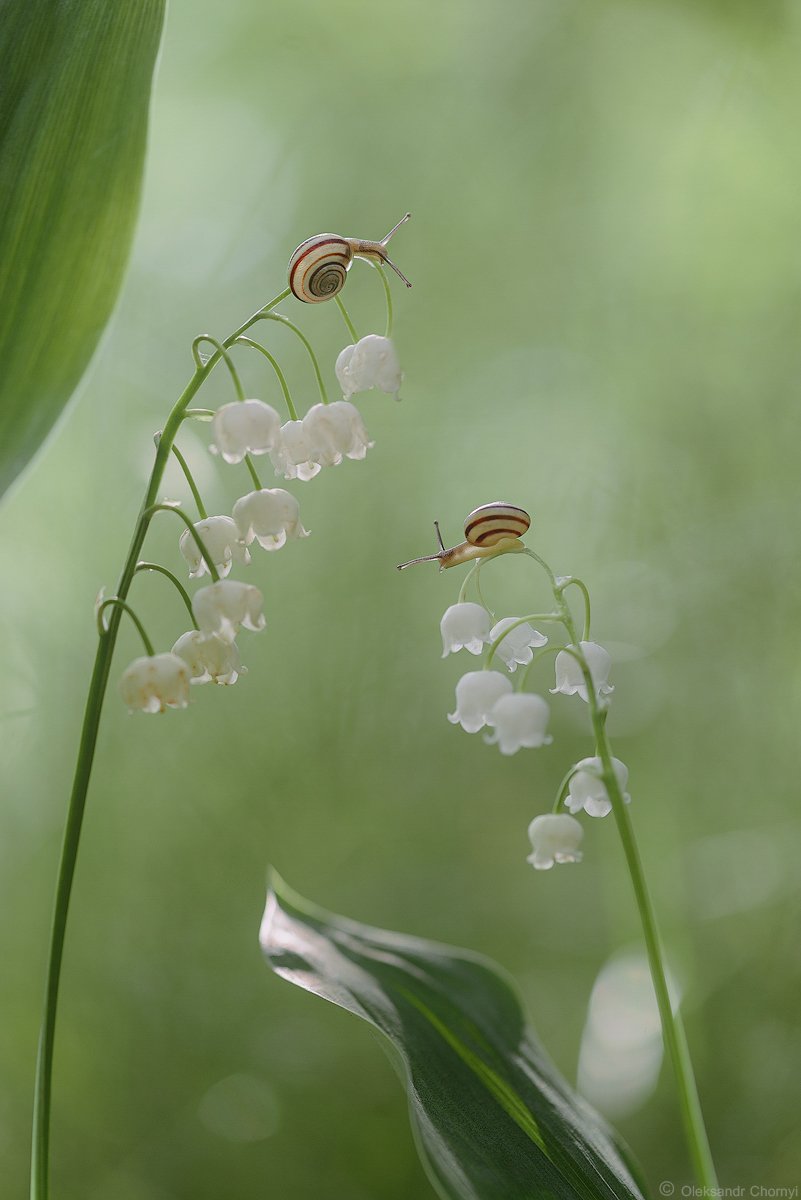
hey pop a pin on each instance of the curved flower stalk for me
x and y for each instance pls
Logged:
(518, 719)
(217, 546)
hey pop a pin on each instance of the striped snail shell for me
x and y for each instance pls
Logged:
(489, 530)
(493, 523)
(319, 267)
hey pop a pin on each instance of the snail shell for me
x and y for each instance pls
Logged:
(493, 523)
(319, 267)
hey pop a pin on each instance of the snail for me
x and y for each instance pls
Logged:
(488, 530)
(319, 266)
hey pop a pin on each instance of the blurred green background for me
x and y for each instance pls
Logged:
(606, 256)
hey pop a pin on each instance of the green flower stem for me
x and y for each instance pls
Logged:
(388, 295)
(563, 786)
(346, 318)
(244, 341)
(199, 414)
(466, 582)
(121, 604)
(314, 360)
(581, 585)
(40, 1148)
(184, 594)
(198, 540)
(201, 511)
(673, 1031)
(254, 475)
(543, 652)
(221, 350)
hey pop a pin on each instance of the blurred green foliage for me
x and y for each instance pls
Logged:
(75, 84)
(603, 329)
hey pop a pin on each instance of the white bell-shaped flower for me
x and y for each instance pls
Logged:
(464, 626)
(155, 683)
(335, 431)
(208, 658)
(518, 720)
(569, 679)
(372, 362)
(269, 516)
(516, 648)
(587, 790)
(220, 537)
(292, 454)
(223, 607)
(244, 427)
(555, 838)
(476, 694)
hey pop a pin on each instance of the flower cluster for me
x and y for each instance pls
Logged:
(269, 517)
(486, 698)
(516, 719)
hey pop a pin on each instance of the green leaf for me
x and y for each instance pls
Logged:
(75, 81)
(493, 1118)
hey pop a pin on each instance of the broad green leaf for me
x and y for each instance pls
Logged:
(75, 82)
(493, 1118)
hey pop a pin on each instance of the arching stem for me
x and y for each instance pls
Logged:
(245, 341)
(124, 607)
(309, 348)
(388, 297)
(201, 510)
(40, 1147)
(183, 593)
(220, 348)
(346, 318)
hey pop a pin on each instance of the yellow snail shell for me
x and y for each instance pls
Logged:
(486, 529)
(319, 267)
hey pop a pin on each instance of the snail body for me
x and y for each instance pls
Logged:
(319, 267)
(492, 529)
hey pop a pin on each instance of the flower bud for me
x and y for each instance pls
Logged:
(244, 427)
(221, 608)
(154, 683)
(555, 838)
(476, 694)
(219, 535)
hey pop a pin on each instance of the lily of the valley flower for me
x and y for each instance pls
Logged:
(335, 431)
(244, 427)
(220, 537)
(587, 790)
(372, 362)
(221, 608)
(555, 838)
(292, 453)
(476, 694)
(464, 626)
(518, 720)
(515, 649)
(569, 679)
(155, 683)
(269, 517)
(208, 658)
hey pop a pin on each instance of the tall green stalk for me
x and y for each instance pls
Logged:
(673, 1031)
(40, 1149)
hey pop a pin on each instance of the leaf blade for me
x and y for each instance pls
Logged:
(492, 1117)
(74, 98)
